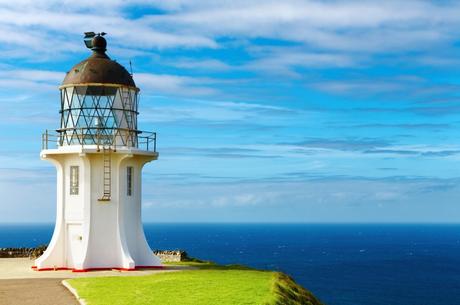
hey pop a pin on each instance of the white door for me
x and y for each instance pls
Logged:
(74, 247)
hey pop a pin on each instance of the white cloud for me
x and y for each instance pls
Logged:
(207, 64)
(212, 110)
(175, 84)
(29, 80)
(336, 25)
(323, 200)
(358, 87)
(286, 61)
(46, 29)
(34, 75)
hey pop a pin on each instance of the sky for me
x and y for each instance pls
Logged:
(266, 111)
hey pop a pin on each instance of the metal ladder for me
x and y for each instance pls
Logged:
(107, 175)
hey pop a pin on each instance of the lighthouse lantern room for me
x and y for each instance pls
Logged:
(99, 154)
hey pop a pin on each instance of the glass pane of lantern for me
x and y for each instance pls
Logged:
(81, 122)
(75, 113)
(110, 121)
(67, 96)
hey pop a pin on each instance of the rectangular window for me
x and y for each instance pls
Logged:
(74, 183)
(129, 180)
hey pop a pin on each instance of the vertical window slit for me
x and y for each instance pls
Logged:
(74, 183)
(129, 180)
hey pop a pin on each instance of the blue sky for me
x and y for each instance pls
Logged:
(266, 111)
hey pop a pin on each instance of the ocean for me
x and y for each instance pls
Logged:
(340, 264)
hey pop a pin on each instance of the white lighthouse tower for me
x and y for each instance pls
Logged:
(99, 154)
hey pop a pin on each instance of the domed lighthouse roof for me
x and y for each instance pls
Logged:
(98, 68)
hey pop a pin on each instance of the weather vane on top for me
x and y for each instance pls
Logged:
(88, 39)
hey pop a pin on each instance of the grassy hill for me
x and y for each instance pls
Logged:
(210, 284)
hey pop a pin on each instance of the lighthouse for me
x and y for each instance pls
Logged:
(99, 153)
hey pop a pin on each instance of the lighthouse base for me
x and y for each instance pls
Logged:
(67, 252)
(91, 234)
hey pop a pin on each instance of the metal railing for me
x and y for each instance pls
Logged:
(101, 137)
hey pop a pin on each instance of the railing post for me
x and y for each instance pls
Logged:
(46, 139)
(98, 138)
(114, 140)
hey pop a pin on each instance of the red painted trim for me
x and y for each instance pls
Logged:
(97, 269)
(79, 270)
(103, 269)
(52, 269)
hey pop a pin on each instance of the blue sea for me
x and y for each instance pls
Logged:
(340, 264)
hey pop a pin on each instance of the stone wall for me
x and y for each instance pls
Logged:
(164, 255)
(171, 255)
(16, 252)
(22, 252)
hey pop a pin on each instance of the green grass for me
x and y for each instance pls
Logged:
(287, 292)
(210, 284)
